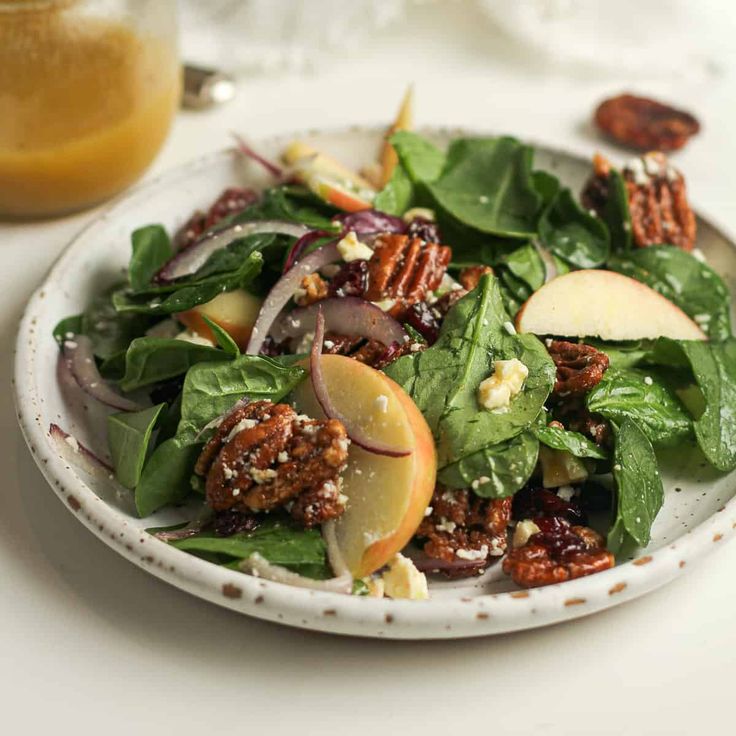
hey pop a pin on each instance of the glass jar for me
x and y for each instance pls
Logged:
(88, 89)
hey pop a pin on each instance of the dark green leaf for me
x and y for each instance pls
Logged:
(496, 471)
(151, 249)
(572, 442)
(129, 437)
(223, 338)
(525, 264)
(573, 234)
(639, 489)
(421, 160)
(616, 214)
(67, 328)
(683, 279)
(486, 184)
(151, 360)
(644, 397)
(396, 197)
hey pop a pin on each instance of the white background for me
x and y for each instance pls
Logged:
(90, 644)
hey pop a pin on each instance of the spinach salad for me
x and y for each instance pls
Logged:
(445, 364)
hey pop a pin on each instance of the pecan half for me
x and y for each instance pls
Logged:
(370, 352)
(646, 124)
(405, 269)
(313, 288)
(580, 367)
(558, 552)
(470, 277)
(263, 456)
(466, 529)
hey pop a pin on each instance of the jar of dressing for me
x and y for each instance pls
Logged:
(88, 90)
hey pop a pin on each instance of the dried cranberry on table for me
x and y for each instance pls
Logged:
(644, 123)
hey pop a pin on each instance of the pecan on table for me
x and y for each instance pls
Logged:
(405, 269)
(580, 367)
(559, 551)
(643, 123)
(465, 531)
(230, 202)
(263, 456)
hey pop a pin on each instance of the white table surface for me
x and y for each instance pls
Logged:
(91, 644)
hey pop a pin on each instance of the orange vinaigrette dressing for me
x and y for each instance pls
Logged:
(85, 105)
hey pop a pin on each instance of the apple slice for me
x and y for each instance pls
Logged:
(387, 496)
(404, 121)
(594, 303)
(328, 178)
(235, 311)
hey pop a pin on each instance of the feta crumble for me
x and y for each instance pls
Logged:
(496, 391)
(403, 580)
(351, 249)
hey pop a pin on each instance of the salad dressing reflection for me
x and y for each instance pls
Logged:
(86, 104)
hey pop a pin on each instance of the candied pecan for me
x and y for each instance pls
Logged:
(558, 552)
(470, 277)
(363, 350)
(580, 367)
(464, 528)
(395, 351)
(263, 456)
(578, 418)
(643, 123)
(318, 505)
(660, 212)
(230, 202)
(313, 288)
(405, 269)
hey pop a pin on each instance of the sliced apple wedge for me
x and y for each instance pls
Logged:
(328, 178)
(604, 304)
(235, 311)
(387, 496)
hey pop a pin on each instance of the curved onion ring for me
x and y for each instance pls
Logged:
(296, 250)
(322, 394)
(346, 315)
(79, 359)
(260, 567)
(76, 453)
(370, 221)
(193, 257)
(284, 289)
(276, 171)
(550, 267)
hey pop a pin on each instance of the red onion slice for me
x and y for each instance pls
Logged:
(347, 315)
(370, 221)
(296, 250)
(260, 567)
(193, 257)
(272, 168)
(77, 454)
(284, 289)
(322, 394)
(550, 267)
(80, 361)
(191, 529)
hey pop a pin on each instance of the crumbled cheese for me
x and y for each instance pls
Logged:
(524, 529)
(72, 442)
(446, 525)
(262, 476)
(424, 212)
(381, 403)
(236, 491)
(566, 493)
(496, 391)
(473, 554)
(305, 343)
(329, 344)
(479, 482)
(376, 587)
(648, 380)
(428, 511)
(617, 467)
(637, 167)
(403, 580)
(194, 338)
(385, 304)
(351, 249)
(698, 254)
(498, 546)
(653, 163)
(283, 457)
(240, 426)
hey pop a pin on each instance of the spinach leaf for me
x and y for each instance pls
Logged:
(187, 295)
(639, 492)
(443, 380)
(714, 368)
(573, 442)
(496, 471)
(645, 398)
(486, 184)
(288, 202)
(68, 327)
(224, 340)
(396, 197)
(151, 360)
(547, 186)
(525, 264)
(129, 436)
(231, 258)
(616, 213)
(109, 331)
(277, 541)
(151, 249)
(169, 420)
(165, 477)
(211, 389)
(622, 354)
(421, 160)
(680, 277)
(573, 234)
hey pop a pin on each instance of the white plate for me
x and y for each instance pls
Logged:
(699, 511)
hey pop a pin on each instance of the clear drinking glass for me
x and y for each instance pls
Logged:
(88, 90)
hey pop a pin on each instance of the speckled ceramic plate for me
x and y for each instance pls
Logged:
(699, 511)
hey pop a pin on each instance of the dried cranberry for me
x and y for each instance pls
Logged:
(227, 523)
(350, 280)
(427, 230)
(424, 320)
(230, 202)
(534, 503)
(556, 535)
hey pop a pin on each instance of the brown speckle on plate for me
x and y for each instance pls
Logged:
(482, 615)
(388, 618)
(574, 601)
(643, 560)
(231, 591)
(520, 594)
(717, 537)
(258, 599)
(73, 502)
(617, 588)
(329, 612)
(683, 563)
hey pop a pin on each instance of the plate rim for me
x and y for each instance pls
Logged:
(485, 614)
